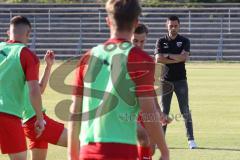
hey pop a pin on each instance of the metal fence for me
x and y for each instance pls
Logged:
(227, 20)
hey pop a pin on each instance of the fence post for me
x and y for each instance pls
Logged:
(10, 14)
(189, 21)
(79, 46)
(229, 20)
(49, 19)
(33, 45)
(99, 20)
(220, 46)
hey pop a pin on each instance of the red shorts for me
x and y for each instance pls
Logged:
(108, 151)
(144, 153)
(51, 133)
(12, 138)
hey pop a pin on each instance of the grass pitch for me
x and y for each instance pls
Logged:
(214, 95)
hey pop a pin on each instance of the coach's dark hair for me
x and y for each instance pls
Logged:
(173, 18)
(17, 20)
(141, 28)
(123, 13)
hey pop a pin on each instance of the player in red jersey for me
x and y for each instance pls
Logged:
(54, 132)
(147, 146)
(18, 65)
(107, 128)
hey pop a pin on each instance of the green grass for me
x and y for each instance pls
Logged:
(214, 103)
(214, 92)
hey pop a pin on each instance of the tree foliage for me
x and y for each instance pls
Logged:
(145, 2)
(51, 1)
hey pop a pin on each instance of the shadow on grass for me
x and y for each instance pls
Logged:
(208, 148)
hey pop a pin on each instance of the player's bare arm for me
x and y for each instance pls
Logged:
(36, 101)
(49, 60)
(74, 128)
(154, 127)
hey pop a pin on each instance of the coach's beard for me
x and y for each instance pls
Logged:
(173, 33)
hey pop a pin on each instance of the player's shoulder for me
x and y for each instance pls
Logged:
(137, 54)
(28, 54)
(84, 58)
(183, 38)
(162, 39)
(27, 51)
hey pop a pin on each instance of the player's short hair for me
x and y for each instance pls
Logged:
(123, 13)
(173, 18)
(141, 28)
(18, 20)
